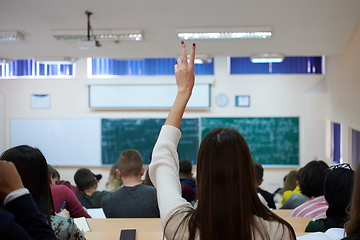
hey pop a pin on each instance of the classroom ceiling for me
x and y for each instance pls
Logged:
(300, 28)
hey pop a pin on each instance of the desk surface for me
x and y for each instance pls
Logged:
(116, 224)
(283, 212)
(150, 228)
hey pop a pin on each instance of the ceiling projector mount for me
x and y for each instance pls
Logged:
(90, 42)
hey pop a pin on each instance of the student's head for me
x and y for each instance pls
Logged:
(130, 164)
(290, 181)
(85, 179)
(352, 227)
(338, 188)
(259, 173)
(226, 180)
(33, 170)
(298, 176)
(147, 180)
(312, 178)
(114, 181)
(185, 169)
(54, 175)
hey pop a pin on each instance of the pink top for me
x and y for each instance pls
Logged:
(61, 193)
(314, 207)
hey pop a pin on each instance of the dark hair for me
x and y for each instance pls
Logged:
(312, 178)
(53, 173)
(185, 167)
(130, 163)
(224, 168)
(33, 170)
(258, 170)
(289, 182)
(352, 227)
(298, 175)
(338, 187)
(84, 179)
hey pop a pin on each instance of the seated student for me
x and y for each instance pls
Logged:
(289, 184)
(312, 186)
(134, 199)
(296, 198)
(20, 219)
(55, 180)
(185, 173)
(338, 190)
(352, 227)
(259, 173)
(228, 206)
(61, 194)
(87, 182)
(114, 181)
(32, 167)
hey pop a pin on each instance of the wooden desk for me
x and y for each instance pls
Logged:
(116, 224)
(298, 223)
(283, 212)
(116, 235)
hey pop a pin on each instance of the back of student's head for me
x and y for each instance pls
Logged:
(227, 198)
(312, 178)
(338, 188)
(259, 171)
(53, 173)
(298, 175)
(130, 163)
(185, 167)
(352, 227)
(33, 170)
(84, 179)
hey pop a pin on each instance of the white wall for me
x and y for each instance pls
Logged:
(304, 96)
(343, 79)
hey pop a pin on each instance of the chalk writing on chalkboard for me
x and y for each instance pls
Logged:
(118, 135)
(273, 140)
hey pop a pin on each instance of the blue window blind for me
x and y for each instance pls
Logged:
(290, 65)
(355, 148)
(139, 67)
(336, 142)
(31, 68)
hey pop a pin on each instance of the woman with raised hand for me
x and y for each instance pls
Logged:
(228, 206)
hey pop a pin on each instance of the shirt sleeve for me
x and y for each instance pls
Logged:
(15, 194)
(164, 173)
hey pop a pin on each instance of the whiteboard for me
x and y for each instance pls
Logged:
(63, 141)
(144, 96)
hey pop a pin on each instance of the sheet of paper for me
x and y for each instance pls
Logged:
(96, 212)
(82, 224)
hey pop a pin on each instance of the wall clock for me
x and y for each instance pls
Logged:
(222, 100)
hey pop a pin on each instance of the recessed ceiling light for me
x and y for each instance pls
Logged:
(11, 36)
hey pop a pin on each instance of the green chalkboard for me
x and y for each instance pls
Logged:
(272, 141)
(118, 135)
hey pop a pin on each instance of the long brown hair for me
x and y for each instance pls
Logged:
(227, 198)
(352, 227)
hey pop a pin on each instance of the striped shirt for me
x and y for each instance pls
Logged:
(314, 207)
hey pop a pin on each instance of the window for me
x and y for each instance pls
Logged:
(355, 148)
(31, 68)
(336, 142)
(141, 67)
(290, 65)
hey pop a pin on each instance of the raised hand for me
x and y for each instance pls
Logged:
(184, 70)
(9, 178)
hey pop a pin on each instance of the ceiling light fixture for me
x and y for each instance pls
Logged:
(225, 33)
(100, 35)
(55, 60)
(267, 58)
(11, 36)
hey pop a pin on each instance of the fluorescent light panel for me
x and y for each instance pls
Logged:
(55, 60)
(267, 58)
(11, 36)
(225, 33)
(99, 34)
